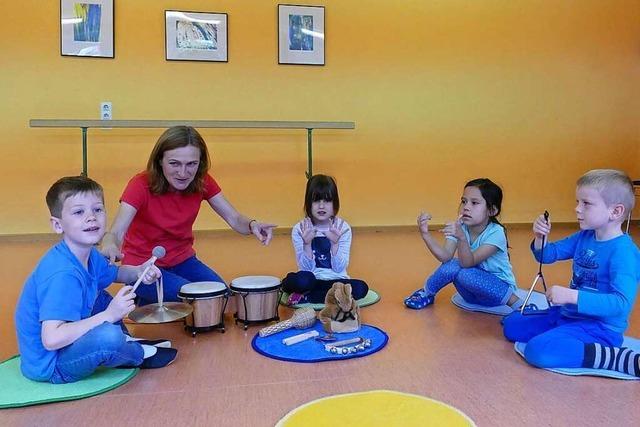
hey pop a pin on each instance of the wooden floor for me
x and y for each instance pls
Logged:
(442, 352)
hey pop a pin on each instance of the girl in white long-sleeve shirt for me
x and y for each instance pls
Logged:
(322, 242)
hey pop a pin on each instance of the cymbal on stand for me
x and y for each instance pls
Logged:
(156, 313)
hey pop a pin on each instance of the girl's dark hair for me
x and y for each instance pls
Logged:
(172, 138)
(492, 194)
(321, 187)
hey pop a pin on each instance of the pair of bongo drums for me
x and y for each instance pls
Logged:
(256, 298)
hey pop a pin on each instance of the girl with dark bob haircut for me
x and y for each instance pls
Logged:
(322, 243)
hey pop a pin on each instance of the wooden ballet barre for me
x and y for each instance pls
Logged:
(85, 125)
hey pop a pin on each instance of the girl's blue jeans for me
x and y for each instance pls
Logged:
(475, 285)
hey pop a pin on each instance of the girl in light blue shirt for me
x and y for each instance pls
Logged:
(482, 271)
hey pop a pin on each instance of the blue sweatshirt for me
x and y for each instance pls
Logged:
(605, 274)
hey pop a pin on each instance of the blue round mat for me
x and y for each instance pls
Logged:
(310, 351)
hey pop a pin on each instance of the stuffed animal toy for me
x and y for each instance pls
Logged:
(341, 312)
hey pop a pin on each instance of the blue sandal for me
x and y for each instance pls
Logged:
(419, 300)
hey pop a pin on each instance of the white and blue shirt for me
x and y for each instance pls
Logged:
(323, 265)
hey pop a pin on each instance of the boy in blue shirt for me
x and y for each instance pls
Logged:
(66, 325)
(592, 313)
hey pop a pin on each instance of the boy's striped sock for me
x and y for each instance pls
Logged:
(621, 359)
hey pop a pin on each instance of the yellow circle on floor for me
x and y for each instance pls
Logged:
(375, 408)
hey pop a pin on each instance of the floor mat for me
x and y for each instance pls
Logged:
(370, 298)
(17, 391)
(310, 351)
(632, 343)
(375, 408)
(500, 310)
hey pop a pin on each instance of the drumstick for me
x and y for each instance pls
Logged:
(135, 285)
(160, 291)
(157, 252)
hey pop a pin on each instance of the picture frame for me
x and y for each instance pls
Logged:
(196, 36)
(301, 37)
(86, 28)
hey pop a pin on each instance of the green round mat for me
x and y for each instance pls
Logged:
(370, 298)
(17, 391)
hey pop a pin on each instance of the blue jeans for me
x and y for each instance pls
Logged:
(104, 345)
(103, 299)
(173, 278)
(305, 282)
(555, 341)
(473, 284)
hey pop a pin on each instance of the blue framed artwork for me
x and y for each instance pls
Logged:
(86, 28)
(196, 36)
(300, 34)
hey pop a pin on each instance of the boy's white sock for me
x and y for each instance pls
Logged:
(149, 351)
(156, 343)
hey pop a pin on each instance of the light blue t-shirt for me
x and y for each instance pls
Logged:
(59, 288)
(605, 274)
(497, 264)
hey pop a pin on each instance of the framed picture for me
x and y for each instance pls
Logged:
(300, 34)
(86, 28)
(196, 36)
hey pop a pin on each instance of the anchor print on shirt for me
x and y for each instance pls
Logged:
(321, 247)
(585, 267)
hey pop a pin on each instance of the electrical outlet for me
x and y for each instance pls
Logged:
(106, 110)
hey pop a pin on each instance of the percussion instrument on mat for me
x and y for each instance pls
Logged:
(209, 300)
(160, 312)
(257, 298)
(302, 318)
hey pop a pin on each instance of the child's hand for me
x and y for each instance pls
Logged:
(121, 304)
(559, 295)
(152, 275)
(334, 233)
(307, 231)
(423, 222)
(541, 227)
(454, 229)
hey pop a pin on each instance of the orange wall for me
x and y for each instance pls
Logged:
(530, 93)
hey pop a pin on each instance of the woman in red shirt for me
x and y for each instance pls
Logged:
(159, 206)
